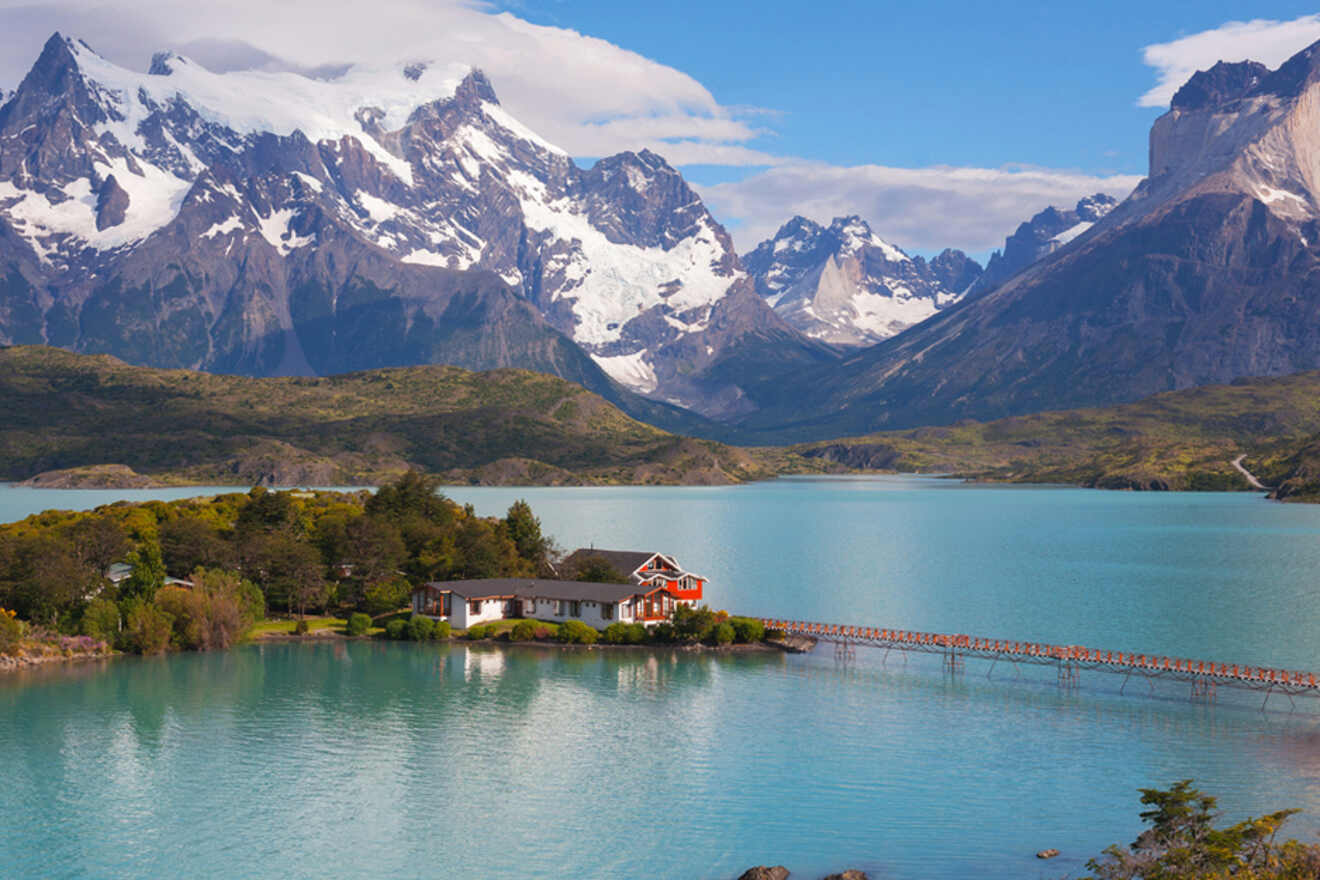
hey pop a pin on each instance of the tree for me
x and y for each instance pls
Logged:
(187, 542)
(148, 573)
(147, 629)
(97, 541)
(597, 570)
(288, 570)
(1183, 844)
(525, 531)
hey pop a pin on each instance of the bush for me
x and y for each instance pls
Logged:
(694, 624)
(543, 633)
(385, 596)
(662, 632)
(723, 634)
(147, 629)
(478, 632)
(575, 632)
(420, 628)
(396, 629)
(358, 624)
(301, 628)
(523, 631)
(442, 630)
(747, 630)
(615, 634)
(11, 631)
(100, 620)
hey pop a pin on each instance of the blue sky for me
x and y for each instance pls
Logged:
(943, 123)
(912, 84)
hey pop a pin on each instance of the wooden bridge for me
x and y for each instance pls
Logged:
(1203, 677)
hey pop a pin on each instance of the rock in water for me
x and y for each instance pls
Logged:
(851, 874)
(1047, 854)
(111, 204)
(761, 872)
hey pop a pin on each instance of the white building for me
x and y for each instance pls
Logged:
(468, 603)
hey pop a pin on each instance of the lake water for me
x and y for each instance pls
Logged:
(368, 759)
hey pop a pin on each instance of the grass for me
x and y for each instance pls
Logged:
(1175, 440)
(70, 412)
(286, 627)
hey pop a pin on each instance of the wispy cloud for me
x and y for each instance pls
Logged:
(586, 94)
(1269, 42)
(921, 209)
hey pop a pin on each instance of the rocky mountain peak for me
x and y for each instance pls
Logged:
(473, 91)
(1225, 82)
(1295, 74)
(1042, 235)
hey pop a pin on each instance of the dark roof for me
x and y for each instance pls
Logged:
(625, 562)
(525, 588)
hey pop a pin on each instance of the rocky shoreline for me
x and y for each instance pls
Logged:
(779, 872)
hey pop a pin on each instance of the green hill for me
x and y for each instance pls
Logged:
(1175, 440)
(76, 415)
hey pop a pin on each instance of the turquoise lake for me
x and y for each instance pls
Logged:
(366, 759)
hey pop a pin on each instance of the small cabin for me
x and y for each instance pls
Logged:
(472, 602)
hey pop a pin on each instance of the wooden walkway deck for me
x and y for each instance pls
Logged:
(1203, 676)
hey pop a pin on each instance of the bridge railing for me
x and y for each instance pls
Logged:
(909, 639)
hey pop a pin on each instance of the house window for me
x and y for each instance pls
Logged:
(474, 607)
(575, 609)
(606, 611)
(561, 608)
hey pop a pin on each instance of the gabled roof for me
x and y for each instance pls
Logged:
(625, 562)
(525, 588)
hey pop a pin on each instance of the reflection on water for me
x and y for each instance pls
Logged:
(467, 760)
(519, 761)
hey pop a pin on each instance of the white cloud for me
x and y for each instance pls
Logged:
(585, 94)
(919, 209)
(1263, 40)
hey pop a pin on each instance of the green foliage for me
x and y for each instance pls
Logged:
(523, 631)
(385, 596)
(420, 628)
(11, 631)
(443, 630)
(596, 570)
(575, 632)
(722, 634)
(147, 629)
(1182, 843)
(510, 424)
(301, 628)
(615, 634)
(524, 530)
(396, 629)
(747, 630)
(358, 624)
(479, 632)
(148, 572)
(100, 620)
(693, 624)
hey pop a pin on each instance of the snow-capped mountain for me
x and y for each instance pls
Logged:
(1206, 273)
(846, 286)
(272, 223)
(1041, 236)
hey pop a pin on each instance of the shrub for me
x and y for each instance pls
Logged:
(723, 634)
(775, 635)
(663, 632)
(636, 633)
(301, 628)
(575, 632)
(745, 629)
(615, 634)
(523, 631)
(100, 620)
(543, 633)
(396, 629)
(11, 631)
(384, 596)
(442, 630)
(147, 629)
(358, 624)
(420, 628)
(477, 633)
(693, 624)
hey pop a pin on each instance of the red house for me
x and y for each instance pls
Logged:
(653, 570)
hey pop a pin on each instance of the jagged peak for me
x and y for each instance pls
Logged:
(474, 89)
(1295, 73)
(799, 226)
(165, 63)
(1224, 82)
